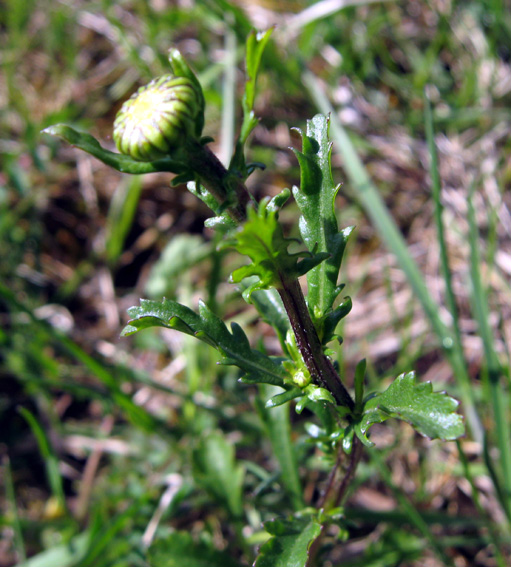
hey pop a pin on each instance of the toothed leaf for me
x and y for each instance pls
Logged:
(207, 327)
(262, 240)
(433, 414)
(318, 223)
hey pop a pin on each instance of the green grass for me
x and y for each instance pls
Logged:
(79, 243)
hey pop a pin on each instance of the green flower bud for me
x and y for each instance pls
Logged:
(158, 118)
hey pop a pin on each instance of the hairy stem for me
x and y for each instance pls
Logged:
(318, 364)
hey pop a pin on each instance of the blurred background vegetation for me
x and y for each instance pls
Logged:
(102, 438)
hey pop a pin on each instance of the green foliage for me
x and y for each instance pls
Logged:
(179, 549)
(278, 424)
(209, 328)
(256, 44)
(181, 68)
(432, 414)
(318, 225)
(290, 542)
(121, 213)
(182, 253)
(120, 162)
(261, 238)
(50, 458)
(215, 469)
(374, 62)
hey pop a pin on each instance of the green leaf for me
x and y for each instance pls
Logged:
(180, 550)
(332, 318)
(269, 305)
(121, 213)
(313, 395)
(318, 224)
(370, 199)
(290, 544)
(256, 43)
(215, 469)
(207, 327)
(279, 399)
(317, 394)
(261, 238)
(121, 162)
(432, 414)
(276, 417)
(51, 460)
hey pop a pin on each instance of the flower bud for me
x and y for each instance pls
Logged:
(158, 118)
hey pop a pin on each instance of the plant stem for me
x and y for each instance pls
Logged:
(219, 181)
(321, 369)
(325, 497)
(355, 456)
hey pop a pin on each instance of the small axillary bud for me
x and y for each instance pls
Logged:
(159, 118)
(301, 378)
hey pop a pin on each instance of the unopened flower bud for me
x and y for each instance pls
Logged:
(158, 118)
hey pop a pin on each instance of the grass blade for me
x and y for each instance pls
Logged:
(51, 460)
(10, 495)
(492, 532)
(121, 213)
(438, 212)
(136, 414)
(498, 394)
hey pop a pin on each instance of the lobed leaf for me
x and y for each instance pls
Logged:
(318, 224)
(261, 238)
(432, 414)
(207, 327)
